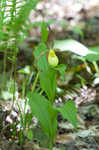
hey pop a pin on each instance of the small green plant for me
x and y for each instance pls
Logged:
(42, 103)
(48, 66)
(94, 59)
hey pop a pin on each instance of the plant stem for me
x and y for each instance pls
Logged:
(41, 92)
(4, 66)
(96, 66)
(35, 82)
(51, 145)
(14, 88)
(23, 87)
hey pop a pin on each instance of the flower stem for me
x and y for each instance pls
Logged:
(35, 82)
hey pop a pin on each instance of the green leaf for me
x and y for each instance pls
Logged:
(92, 57)
(41, 57)
(44, 32)
(69, 112)
(83, 81)
(48, 83)
(61, 68)
(13, 59)
(25, 70)
(73, 46)
(95, 48)
(29, 134)
(45, 113)
(22, 17)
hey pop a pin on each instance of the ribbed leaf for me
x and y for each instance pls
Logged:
(48, 83)
(69, 112)
(46, 114)
(41, 57)
(73, 46)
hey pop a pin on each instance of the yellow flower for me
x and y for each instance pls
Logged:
(52, 58)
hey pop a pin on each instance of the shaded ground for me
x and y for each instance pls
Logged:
(87, 136)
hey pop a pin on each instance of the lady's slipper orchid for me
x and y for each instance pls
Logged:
(52, 58)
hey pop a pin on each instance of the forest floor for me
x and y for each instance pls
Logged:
(87, 135)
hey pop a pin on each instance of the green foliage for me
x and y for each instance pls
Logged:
(92, 57)
(48, 83)
(44, 32)
(22, 17)
(69, 111)
(29, 134)
(44, 111)
(62, 69)
(13, 21)
(95, 48)
(47, 114)
(83, 53)
(25, 70)
(41, 107)
(83, 81)
(14, 24)
(72, 46)
(41, 57)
